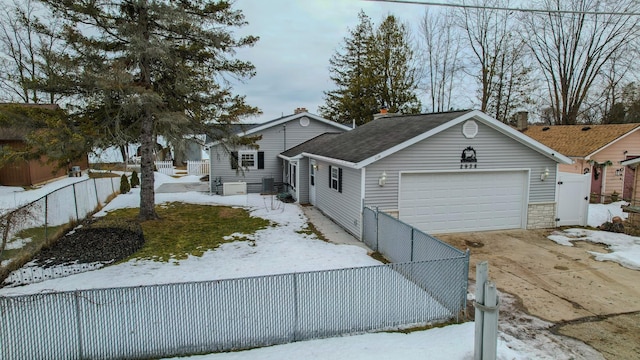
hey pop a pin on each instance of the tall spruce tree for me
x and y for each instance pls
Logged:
(154, 67)
(396, 80)
(373, 69)
(351, 71)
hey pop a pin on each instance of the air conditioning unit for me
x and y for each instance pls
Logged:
(234, 188)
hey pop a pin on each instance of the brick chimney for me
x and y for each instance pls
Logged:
(522, 120)
(300, 110)
(383, 112)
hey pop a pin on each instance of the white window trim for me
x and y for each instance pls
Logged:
(293, 173)
(335, 179)
(253, 153)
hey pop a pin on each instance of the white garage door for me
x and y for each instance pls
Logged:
(457, 202)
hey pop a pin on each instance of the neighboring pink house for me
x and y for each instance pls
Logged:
(596, 149)
(633, 209)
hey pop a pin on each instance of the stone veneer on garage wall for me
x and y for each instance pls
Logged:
(541, 216)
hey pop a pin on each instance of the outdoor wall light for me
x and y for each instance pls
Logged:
(544, 175)
(382, 180)
(315, 167)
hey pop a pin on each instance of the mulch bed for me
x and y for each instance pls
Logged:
(95, 241)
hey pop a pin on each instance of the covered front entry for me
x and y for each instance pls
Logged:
(447, 202)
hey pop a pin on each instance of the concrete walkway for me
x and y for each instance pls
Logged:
(332, 231)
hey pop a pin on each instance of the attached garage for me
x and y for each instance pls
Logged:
(461, 201)
(457, 171)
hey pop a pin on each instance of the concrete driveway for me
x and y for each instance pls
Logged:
(563, 285)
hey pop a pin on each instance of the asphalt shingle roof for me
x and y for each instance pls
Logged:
(381, 134)
(312, 145)
(578, 140)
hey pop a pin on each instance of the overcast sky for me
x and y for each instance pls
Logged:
(297, 39)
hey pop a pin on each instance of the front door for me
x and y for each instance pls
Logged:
(312, 182)
(597, 173)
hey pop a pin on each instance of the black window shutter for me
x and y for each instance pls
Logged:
(340, 180)
(260, 159)
(330, 171)
(234, 159)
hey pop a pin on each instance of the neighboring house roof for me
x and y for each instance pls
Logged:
(311, 145)
(13, 134)
(386, 135)
(19, 133)
(39, 106)
(256, 128)
(581, 141)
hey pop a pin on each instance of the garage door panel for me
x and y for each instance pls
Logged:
(454, 202)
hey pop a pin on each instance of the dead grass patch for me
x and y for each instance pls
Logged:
(185, 230)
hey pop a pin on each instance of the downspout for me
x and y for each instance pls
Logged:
(285, 164)
(284, 130)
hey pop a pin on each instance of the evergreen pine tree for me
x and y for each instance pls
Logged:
(154, 67)
(124, 184)
(135, 181)
(373, 69)
(396, 79)
(354, 98)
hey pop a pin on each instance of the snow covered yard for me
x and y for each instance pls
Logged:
(281, 249)
(624, 249)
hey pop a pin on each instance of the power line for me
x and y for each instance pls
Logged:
(544, 11)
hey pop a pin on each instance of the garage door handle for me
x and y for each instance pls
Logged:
(586, 198)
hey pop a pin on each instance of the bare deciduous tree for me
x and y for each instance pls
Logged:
(29, 54)
(487, 31)
(441, 52)
(572, 48)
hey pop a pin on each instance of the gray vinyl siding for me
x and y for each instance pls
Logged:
(443, 151)
(343, 208)
(303, 181)
(273, 142)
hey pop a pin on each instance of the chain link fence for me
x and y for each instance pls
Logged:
(30, 227)
(233, 314)
(400, 242)
(225, 315)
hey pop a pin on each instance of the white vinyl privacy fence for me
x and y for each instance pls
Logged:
(200, 167)
(223, 315)
(164, 167)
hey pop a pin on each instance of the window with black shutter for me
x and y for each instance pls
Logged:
(335, 178)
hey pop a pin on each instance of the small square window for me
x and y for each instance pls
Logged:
(248, 159)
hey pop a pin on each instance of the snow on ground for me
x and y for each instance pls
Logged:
(281, 249)
(602, 213)
(274, 250)
(624, 249)
(12, 197)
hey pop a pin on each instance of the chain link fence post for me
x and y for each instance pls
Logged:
(486, 316)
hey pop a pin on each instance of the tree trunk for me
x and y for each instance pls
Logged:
(147, 143)
(147, 193)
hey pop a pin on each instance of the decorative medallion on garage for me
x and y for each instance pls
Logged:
(468, 159)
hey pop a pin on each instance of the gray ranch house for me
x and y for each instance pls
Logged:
(246, 169)
(442, 172)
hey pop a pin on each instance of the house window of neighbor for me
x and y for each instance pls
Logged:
(248, 159)
(335, 178)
